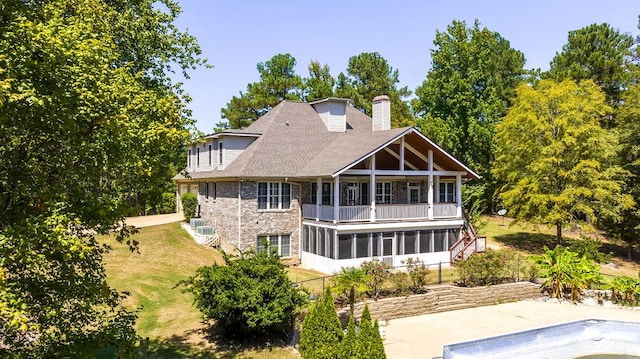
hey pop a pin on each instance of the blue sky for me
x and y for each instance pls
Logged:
(236, 35)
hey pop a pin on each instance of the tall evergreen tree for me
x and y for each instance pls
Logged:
(320, 84)
(627, 227)
(369, 75)
(468, 90)
(278, 82)
(599, 53)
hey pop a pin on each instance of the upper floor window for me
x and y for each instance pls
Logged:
(210, 154)
(447, 192)
(274, 195)
(198, 157)
(383, 192)
(326, 193)
(189, 157)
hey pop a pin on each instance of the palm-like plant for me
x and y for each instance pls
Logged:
(351, 282)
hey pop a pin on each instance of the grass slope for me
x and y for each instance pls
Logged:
(167, 316)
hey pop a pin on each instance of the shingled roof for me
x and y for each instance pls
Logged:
(294, 142)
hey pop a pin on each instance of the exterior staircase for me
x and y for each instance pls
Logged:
(448, 299)
(468, 243)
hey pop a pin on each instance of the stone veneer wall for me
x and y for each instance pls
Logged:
(400, 307)
(222, 213)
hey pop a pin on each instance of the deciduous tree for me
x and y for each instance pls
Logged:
(87, 114)
(473, 76)
(554, 158)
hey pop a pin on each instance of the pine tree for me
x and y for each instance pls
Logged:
(348, 347)
(368, 338)
(321, 332)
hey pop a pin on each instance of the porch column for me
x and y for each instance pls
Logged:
(430, 191)
(372, 189)
(459, 195)
(402, 154)
(318, 197)
(336, 199)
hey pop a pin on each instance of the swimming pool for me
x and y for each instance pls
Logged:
(590, 338)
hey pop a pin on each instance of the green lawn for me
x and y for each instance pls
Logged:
(167, 255)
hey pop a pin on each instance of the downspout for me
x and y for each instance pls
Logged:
(239, 213)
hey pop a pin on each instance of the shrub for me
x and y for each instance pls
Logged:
(348, 347)
(563, 271)
(168, 203)
(189, 205)
(250, 295)
(491, 267)
(378, 273)
(321, 334)
(418, 273)
(589, 248)
(625, 290)
(400, 282)
(368, 338)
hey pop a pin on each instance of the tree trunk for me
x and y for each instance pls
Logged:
(352, 299)
(630, 251)
(559, 233)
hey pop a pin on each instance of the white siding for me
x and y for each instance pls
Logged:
(333, 114)
(232, 147)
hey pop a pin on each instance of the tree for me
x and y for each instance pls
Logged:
(278, 82)
(627, 228)
(351, 281)
(319, 84)
(554, 157)
(321, 334)
(88, 114)
(597, 52)
(468, 90)
(368, 342)
(249, 295)
(348, 347)
(369, 75)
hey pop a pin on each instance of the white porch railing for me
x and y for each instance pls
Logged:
(383, 212)
(443, 210)
(402, 211)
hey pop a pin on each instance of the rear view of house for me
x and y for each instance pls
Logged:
(327, 185)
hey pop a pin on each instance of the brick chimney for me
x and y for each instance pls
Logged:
(381, 113)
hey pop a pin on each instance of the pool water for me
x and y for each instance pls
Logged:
(585, 339)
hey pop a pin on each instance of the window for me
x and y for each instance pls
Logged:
(210, 147)
(210, 190)
(274, 195)
(327, 193)
(383, 192)
(189, 157)
(447, 192)
(281, 244)
(413, 192)
(198, 157)
(220, 156)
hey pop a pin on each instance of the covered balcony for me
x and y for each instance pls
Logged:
(381, 212)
